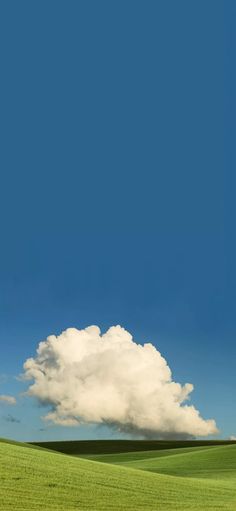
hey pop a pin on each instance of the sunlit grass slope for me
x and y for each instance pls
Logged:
(218, 462)
(34, 479)
(212, 462)
(139, 457)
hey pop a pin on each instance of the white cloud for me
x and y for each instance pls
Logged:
(87, 377)
(10, 400)
(232, 437)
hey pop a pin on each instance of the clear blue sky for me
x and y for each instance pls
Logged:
(118, 188)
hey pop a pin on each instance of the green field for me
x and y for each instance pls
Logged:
(189, 478)
(117, 446)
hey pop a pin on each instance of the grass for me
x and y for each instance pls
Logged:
(199, 462)
(210, 463)
(118, 446)
(184, 479)
(127, 458)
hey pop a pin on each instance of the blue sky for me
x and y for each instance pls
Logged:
(118, 189)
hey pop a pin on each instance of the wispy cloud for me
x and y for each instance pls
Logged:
(11, 418)
(9, 400)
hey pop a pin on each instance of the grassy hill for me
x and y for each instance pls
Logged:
(214, 463)
(191, 479)
(78, 447)
(217, 462)
(127, 458)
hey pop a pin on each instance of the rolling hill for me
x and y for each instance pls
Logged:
(186, 479)
(81, 447)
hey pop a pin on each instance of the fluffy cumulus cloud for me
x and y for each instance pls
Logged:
(9, 400)
(87, 377)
